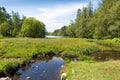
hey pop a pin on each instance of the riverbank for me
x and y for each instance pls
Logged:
(105, 66)
(14, 52)
(108, 70)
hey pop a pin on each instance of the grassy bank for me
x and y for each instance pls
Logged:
(109, 70)
(92, 70)
(113, 43)
(19, 50)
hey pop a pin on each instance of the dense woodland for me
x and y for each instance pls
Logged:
(102, 23)
(12, 25)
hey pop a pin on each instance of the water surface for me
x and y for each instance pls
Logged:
(106, 55)
(51, 36)
(41, 70)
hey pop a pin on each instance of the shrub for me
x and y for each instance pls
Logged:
(32, 28)
(116, 40)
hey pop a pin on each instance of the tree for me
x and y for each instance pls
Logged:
(4, 16)
(16, 23)
(63, 31)
(104, 18)
(90, 10)
(32, 28)
(114, 28)
(82, 20)
(102, 23)
(5, 23)
(5, 29)
(57, 32)
(71, 29)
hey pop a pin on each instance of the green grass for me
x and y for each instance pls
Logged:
(113, 43)
(23, 49)
(8, 67)
(109, 70)
(27, 47)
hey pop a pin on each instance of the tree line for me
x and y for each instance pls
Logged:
(12, 25)
(102, 23)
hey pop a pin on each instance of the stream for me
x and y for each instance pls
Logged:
(106, 55)
(41, 70)
(49, 68)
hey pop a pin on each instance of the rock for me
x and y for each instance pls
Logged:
(5, 78)
(62, 66)
(27, 78)
(63, 75)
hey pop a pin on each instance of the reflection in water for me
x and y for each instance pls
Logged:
(43, 70)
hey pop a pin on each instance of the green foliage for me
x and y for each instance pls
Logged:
(86, 58)
(5, 23)
(32, 28)
(92, 71)
(13, 25)
(116, 40)
(103, 23)
(1, 36)
(70, 54)
(5, 29)
(56, 32)
(10, 25)
(61, 32)
(4, 16)
(114, 43)
(9, 66)
(71, 29)
(16, 24)
(15, 51)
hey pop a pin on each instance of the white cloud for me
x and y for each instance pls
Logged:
(51, 16)
(43, 9)
(54, 16)
(59, 10)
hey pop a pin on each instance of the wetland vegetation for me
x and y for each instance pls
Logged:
(16, 51)
(89, 47)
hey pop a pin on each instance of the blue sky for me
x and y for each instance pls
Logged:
(54, 13)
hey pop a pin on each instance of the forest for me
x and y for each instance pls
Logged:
(12, 25)
(101, 23)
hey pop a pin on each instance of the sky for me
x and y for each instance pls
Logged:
(53, 13)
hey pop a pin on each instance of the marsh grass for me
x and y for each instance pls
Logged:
(8, 67)
(114, 43)
(26, 48)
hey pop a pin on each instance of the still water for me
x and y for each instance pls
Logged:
(41, 70)
(106, 55)
(52, 36)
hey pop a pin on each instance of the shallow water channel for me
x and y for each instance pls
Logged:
(106, 55)
(41, 70)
